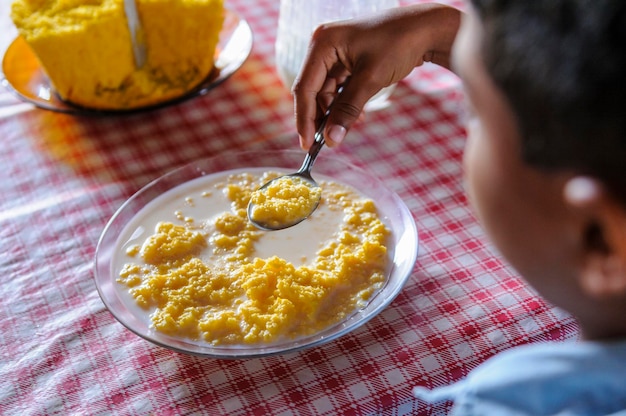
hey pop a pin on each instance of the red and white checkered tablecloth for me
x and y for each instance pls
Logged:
(65, 175)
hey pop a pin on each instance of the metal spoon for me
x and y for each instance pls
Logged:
(134, 27)
(304, 173)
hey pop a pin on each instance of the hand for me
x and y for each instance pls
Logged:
(363, 56)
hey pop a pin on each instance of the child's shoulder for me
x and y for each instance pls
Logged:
(551, 361)
(578, 378)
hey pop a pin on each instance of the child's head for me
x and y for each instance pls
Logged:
(561, 65)
(546, 152)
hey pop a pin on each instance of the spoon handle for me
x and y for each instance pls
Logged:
(315, 148)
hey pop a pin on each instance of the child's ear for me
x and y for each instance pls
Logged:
(603, 237)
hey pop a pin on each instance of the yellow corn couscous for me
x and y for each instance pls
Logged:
(203, 279)
(284, 201)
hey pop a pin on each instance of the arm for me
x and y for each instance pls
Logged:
(363, 56)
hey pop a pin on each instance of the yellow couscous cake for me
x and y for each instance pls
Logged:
(85, 48)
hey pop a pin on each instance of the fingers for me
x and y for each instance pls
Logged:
(346, 107)
(328, 93)
(306, 117)
(362, 56)
(340, 56)
(313, 91)
(325, 70)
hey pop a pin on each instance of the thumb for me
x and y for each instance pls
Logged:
(345, 110)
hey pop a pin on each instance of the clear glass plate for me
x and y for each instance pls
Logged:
(403, 249)
(23, 75)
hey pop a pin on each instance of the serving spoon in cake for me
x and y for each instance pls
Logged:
(136, 37)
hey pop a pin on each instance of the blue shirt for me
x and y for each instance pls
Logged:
(570, 378)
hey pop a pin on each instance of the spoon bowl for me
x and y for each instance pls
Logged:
(289, 208)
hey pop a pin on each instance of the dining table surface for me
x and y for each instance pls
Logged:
(66, 174)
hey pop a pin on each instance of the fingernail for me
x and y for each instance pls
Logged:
(301, 140)
(336, 133)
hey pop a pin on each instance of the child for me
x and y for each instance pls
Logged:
(545, 166)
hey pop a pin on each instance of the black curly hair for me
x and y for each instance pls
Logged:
(562, 66)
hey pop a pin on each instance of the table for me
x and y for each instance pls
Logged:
(64, 176)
